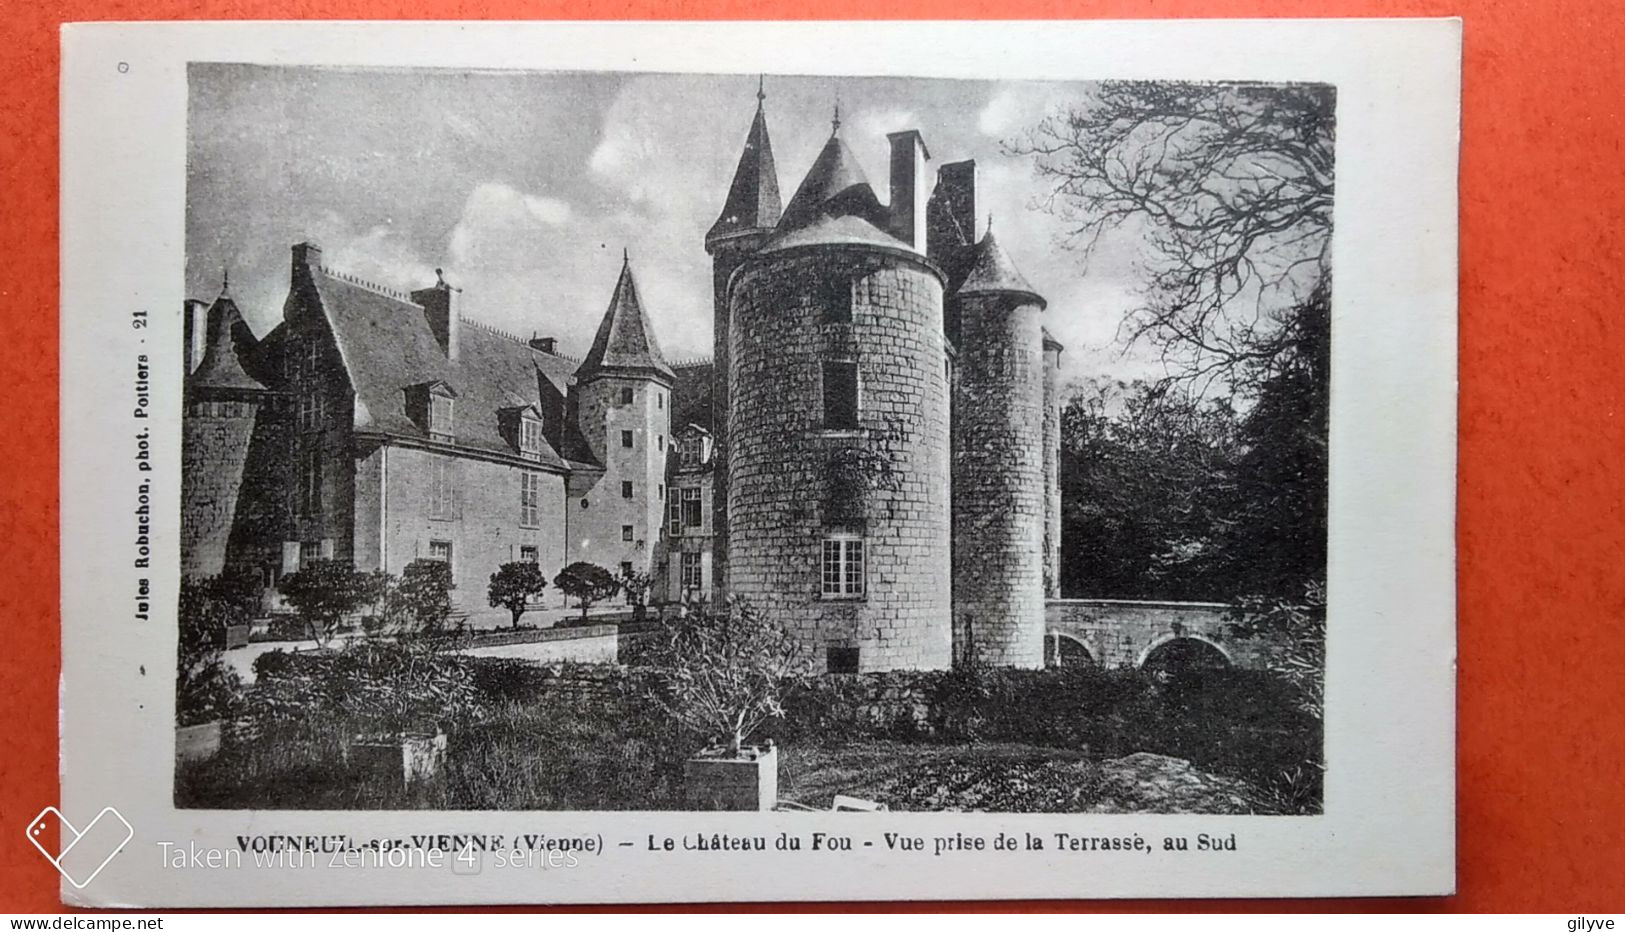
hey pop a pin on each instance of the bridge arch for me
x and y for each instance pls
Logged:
(1064, 650)
(1183, 649)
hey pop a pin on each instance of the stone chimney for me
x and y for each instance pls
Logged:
(439, 303)
(953, 208)
(548, 345)
(908, 188)
(307, 260)
(194, 323)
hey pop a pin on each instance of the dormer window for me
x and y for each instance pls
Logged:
(530, 436)
(440, 417)
(432, 406)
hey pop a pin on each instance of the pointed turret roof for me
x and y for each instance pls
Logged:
(753, 198)
(834, 204)
(221, 367)
(626, 341)
(992, 272)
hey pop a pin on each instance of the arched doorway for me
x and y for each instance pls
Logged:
(1064, 650)
(1183, 654)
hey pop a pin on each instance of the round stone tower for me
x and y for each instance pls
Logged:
(999, 494)
(838, 466)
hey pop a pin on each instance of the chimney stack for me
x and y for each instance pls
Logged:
(953, 208)
(908, 190)
(307, 260)
(548, 345)
(194, 322)
(439, 302)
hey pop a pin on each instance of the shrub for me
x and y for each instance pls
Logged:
(369, 685)
(513, 585)
(324, 592)
(586, 583)
(724, 671)
(420, 601)
(208, 692)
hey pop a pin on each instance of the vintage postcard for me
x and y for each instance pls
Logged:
(692, 462)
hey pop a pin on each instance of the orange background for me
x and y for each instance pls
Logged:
(1541, 536)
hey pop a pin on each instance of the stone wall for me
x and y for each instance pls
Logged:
(597, 512)
(998, 482)
(1052, 470)
(1120, 633)
(396, 520)
(784, 494)
(591, 644)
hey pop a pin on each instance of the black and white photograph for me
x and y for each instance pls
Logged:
(744, 462)
(652, 441)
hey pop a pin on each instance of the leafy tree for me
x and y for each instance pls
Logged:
(1228, 187)
(724, 671)
(513, 585)
(1145, 471)
(636, 585)
(206, 687)
(421, 600)
(324, 592)
(586, 583)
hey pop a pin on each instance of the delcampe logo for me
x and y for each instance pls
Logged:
(84, 853)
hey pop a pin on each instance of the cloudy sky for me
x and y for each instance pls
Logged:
(525, 187)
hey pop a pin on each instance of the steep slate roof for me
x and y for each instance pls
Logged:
(834, 205)
(226, 339)
(992, 272)
(625, 341)
(387, 347)
(753, 198)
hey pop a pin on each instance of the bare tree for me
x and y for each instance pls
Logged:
(1229, 189)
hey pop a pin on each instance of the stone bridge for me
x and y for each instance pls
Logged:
(1120, 633)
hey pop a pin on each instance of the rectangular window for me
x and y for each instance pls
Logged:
(626, 439)
(662, 487)
(440, 550)
(530, 437)
(626, 568)
(692, 570)
(309, 552)
(313, 357)
(841, 660)
(440, 427)
(660, 443)
(843, 566)
(674, 517)
(691, 507)
(626, 490)
(530, 554)
(840, 395)
(835, 300)
(626, 532)
(660, 400)
(312, 411)
(443, 492)
(530, 499)
(626, 396)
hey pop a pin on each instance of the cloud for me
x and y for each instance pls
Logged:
(378, 253)
(503, 226)
(1001, 114)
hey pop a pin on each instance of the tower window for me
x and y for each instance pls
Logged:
(841, 395)
(626, 490)
(626, 439)
(626, 568)
(440, 550)
(843, 568)
(835, 300)
(626, 532)
(626, 396)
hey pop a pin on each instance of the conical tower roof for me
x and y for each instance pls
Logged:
(834, 205)
(626, 341)
(753, 198)
(992, 272)
(220, 366)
